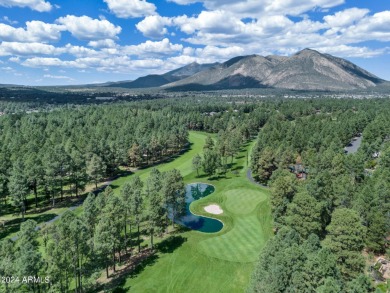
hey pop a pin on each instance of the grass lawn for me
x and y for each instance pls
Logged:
(183, 162)
(215, 262)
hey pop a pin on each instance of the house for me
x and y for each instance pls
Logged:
(299, 169)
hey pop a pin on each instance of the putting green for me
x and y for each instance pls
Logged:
(243, 236)
(243, 201)
(241, 244)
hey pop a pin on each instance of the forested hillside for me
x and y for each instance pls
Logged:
(324, 223)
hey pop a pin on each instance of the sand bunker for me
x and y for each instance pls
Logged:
(214, 209)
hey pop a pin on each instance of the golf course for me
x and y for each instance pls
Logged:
(209, 262)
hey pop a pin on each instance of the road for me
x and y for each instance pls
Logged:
(250, 178)
(79, 203)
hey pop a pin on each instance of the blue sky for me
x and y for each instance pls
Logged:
(56, 42)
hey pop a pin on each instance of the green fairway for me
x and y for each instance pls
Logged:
(183, 163)
(216, 262)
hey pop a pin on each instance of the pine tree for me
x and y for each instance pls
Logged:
(197, 163)
(211, 162)
(283, 189)
(107, 232)
(96, 169)
(174, 193)
(303, 214)
(90, 213)
(7, 261)
(346, 240)
(18, 187)
(209, 143)
(29, 260)
(132, 199)
(135, 155)
(156, 212)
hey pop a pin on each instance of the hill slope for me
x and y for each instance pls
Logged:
(156, 80)
(306, 70)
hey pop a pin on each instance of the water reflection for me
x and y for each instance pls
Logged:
(194, 192)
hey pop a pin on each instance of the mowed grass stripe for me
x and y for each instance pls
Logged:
(243, 201)
(242, 244)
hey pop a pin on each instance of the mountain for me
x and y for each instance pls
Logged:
(156, 80)
(306, 70)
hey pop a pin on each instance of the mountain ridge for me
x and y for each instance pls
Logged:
(157, 80)
(307, 69)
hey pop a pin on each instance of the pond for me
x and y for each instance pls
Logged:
(194, 192)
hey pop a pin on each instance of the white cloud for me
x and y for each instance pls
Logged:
(350, 51)
(78, 51)
(14, 59)
(184, 2)
(35, 31)
(279, 34)
(131, 8)
(44, 31)
(219, 53)
(50, 62)
(154, 26)
(86, 28)
(297, 7)
(38, 5)
(7, 68)
(210, 22)
(27, 49)
(257, 8)
(8, 20)
(58, 77)
(33, 49)
(117, 64)
(107, 43)
(375, 27)
(346, 17)
(149, 48)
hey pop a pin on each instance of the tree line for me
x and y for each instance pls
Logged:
(54, 154)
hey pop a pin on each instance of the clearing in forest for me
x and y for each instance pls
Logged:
(210, 262)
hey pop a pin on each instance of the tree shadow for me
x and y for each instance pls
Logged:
(237, 168)
(140, 267)
(203, 176)
(114, 186)
(167, 159)
(137, 266)
(218, 177)
(121, 173)
(170, 244)
(181, 229)
(135, 242)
